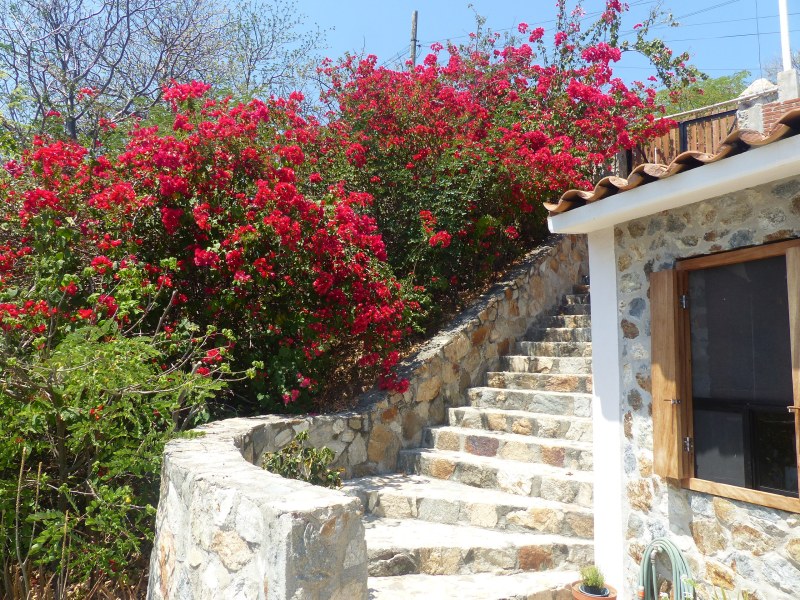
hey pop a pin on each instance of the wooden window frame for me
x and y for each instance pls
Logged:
(676, 417)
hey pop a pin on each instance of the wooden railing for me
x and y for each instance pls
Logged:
(701, 130)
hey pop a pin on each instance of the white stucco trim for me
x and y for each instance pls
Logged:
(754, 167)
(606, 410)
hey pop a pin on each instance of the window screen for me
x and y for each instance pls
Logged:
(741, 375)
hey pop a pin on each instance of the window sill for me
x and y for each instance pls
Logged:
(745, 495)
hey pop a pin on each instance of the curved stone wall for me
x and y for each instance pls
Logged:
(226, 528)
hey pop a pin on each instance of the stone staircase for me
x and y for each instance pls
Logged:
(498, 503)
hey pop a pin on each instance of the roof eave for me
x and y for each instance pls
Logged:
(775, 161)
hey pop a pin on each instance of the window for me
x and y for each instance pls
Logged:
(726, 373)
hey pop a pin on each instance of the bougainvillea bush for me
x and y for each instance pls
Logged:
(224, 257)
(460, 152)
(135, 286)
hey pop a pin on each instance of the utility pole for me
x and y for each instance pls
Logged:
(788, 82)
(413, 39)
(786, 52)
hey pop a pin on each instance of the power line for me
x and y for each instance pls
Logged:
(707, 9)
(682, 25)
(758, 34)
(539, 23)
(650, 69)
(731, 35)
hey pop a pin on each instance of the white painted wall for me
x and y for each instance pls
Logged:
(606, 409)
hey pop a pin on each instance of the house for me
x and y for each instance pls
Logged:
(695, 277)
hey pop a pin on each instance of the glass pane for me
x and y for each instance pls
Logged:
(742, 375)
(719, 446)
(773, 437)
(740, 332)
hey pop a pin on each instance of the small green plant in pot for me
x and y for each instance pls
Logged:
(593, 581)
(592, 585)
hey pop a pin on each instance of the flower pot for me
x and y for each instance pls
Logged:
(579, 594)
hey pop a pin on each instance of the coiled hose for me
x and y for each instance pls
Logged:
(681, 573)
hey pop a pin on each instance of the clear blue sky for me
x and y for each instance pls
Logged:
(722, 36)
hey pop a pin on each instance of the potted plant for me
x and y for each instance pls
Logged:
(592, 585)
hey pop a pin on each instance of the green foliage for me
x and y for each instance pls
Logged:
(83, 429)
(704, 93)
(298, 461)
(592, 577)
(721, 594)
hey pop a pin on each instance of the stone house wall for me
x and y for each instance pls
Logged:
(227, 529)
(730, 544)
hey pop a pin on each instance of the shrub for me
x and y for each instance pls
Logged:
(81, 439)
(459, 152)
(92, 381)
(208, 217)
(298, 461)
(119, 277)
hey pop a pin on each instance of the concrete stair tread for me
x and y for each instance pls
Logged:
(522, 414)
(420, 486)
(533, 401)
(545, 328)
(522, 422)
(553, 349)
(587, 359)
(559, 334)
(413, 534)
(479, 388)
(516, 437)
(539, 375)
(557, 382)
(509, 466)
(565, 395)
(542, 585)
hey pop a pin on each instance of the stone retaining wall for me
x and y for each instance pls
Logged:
(226, 528)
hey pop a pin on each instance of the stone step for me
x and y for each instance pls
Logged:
(522, 422)
(576, 309)
(408, 546)
(401, 496)
(554, 349)
(560, 334)
(544, 585)
(580, 288)
(568, 321)
(576, 298)
(511, 446)
(534, 479)
(545, 382)
(550, 403)
(580, 365)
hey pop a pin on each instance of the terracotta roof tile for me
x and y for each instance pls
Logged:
(739, 141)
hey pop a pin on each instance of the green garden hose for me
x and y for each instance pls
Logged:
(681, 573)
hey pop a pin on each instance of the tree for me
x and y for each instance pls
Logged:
(705, 93)
(82, 63)
(775, 66)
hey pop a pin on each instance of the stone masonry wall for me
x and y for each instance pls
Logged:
(227, 529)
(730, 544)
(367, 439)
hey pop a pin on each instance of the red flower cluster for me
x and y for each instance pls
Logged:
(205, 222)
(460, 152)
